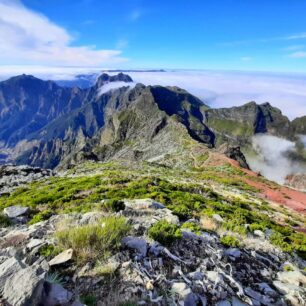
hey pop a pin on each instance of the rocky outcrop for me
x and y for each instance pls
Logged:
(236, 154)
(12, 176)
(296, 181)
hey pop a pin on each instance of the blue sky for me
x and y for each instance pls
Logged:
(199, 34)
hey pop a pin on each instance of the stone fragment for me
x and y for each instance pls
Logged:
(16, 211)
(135, 243)
(61, 258)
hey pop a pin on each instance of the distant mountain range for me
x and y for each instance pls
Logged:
(48, 125)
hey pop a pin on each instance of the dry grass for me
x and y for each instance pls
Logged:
(93, 241)
(208, 224)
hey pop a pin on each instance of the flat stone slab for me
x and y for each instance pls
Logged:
(61, 258)
(16, 211)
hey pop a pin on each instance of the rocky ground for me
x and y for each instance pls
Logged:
(12, 177)
(195, 270)
(209, 260)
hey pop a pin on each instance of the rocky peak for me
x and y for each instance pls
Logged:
(105, 78)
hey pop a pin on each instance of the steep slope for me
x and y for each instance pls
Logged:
(236, 125)
(134, 123)
(28, 103)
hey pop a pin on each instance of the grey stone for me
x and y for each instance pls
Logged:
(138, 244)
(55, 294)
(23, 287)
(61, 258)
(233, 252)
(8, 268)
(259, 233)
(143, 204)
(34, 243)
(223, 303)
(16, 211)
(181, 289)
(193, 299)
(292, 277)
(237, 302)
(218, 218)
(197, 275)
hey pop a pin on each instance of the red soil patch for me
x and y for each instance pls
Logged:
(281, 195)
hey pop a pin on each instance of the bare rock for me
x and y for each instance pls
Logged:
(61, 258)
(138, 244)
(55, 294)
(16, 211)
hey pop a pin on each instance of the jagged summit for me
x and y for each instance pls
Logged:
(106, 78)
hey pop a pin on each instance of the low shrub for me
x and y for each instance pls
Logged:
(230, 241)
(164, 232)
(192, 227)
(94, 240)
(5, 221)
(114, 205)
(49, 251)
(41, 216)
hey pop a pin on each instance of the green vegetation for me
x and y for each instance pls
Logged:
(114, 205)
(89, 300)
(164, 232)
(192, 227)
(94, 241)
(288, 268)
(4, 221)
(49, 251)
(188, 193)
(41, 216)
(230, 241)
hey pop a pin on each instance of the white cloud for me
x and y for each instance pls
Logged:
(226, 88)
(272, 159)
(298, 54)
(28, 37)
(114, 85)
(216, 88)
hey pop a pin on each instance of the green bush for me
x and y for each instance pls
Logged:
(41, 216)
(230, 241)
(114, 205)
(164, 232)
(94, 240)
(5, 221)
(192, 227)
(49, 251)
(89, 300)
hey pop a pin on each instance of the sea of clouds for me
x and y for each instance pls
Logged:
(215, 88)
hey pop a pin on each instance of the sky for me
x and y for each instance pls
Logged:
(200, 34)
(227, 52)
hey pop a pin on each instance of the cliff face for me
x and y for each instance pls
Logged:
(236, 125)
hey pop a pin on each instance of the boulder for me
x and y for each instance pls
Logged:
(20, 284)
(143, 204)
(135, 243)
(16, 211)
(55, 294)
(61, 258)
(292, 277)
